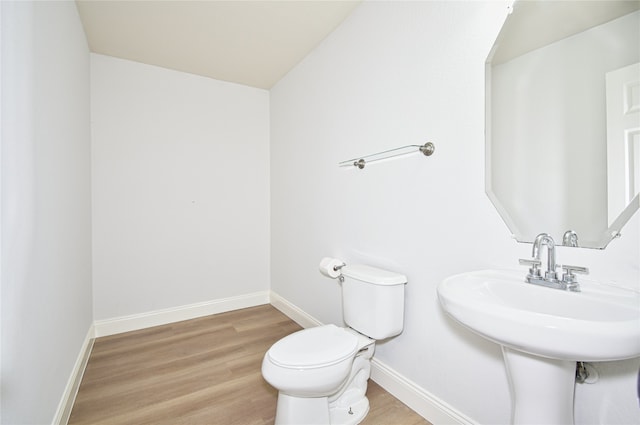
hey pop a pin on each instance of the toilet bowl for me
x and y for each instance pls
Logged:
(313, 369)
(321, 373)
(312, 362)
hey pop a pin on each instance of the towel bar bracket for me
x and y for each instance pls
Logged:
(427, 149)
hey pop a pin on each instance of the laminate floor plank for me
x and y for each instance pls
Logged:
(205, 371)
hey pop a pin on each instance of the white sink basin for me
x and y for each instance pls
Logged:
(601, 323)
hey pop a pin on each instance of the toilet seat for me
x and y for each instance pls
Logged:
(312, 348)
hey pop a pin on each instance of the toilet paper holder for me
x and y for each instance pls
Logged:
(337, 269)
(331, 267)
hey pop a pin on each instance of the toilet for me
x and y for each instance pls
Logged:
(321, 373)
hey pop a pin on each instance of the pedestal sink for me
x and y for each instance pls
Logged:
(543, 332)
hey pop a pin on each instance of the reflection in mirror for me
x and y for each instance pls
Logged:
(563, 119)
(623, 137)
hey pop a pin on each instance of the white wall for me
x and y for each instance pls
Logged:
(397, 73)
(46, 205)
(180, 188)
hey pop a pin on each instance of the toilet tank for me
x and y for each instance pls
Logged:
(373, 300)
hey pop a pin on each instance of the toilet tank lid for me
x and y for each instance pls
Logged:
(373, 275)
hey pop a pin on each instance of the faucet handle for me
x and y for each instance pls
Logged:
(574, 269)
(569, 277)
(534, 266)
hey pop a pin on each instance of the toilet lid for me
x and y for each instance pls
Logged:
(314, 347)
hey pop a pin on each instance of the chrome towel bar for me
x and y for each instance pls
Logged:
(427, 149)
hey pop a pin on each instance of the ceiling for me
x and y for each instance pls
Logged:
(254, 43)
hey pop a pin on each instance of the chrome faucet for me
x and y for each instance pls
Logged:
(550, 278)
(541, 240)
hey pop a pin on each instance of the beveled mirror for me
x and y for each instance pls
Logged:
(563, 119)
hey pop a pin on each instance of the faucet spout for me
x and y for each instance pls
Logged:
(541, 240)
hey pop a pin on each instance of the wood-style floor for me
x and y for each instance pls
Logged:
(203, 371)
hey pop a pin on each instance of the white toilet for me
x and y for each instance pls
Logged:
(321, 373)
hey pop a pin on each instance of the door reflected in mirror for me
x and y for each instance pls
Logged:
(563, 119)
(623, 138)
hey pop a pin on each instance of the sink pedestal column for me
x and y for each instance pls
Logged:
(541, 388)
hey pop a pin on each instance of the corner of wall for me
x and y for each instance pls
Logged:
(63, 412)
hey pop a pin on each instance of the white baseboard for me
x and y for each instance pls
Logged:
(417, 398)
(176, 314)
(293, 312)
(71, 390)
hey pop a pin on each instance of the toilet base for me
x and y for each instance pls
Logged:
(302, 410)
(351, 415)
(316, 411)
